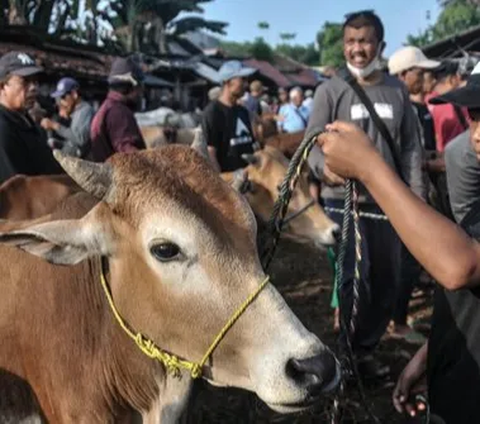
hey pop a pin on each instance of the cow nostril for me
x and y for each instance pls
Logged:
(313, 373)
(336, 233)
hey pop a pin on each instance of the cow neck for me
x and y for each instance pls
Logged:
(131, 378)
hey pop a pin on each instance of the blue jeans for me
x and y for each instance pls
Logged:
(379, 277)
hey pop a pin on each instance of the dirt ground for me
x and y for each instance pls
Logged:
(303, 276)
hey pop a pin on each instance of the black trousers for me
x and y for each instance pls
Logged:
(379, 277)
(410, 271)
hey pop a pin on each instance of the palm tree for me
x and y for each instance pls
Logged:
(143, 25)
(47, 16)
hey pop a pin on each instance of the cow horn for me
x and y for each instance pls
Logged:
(250, 158)
(94, 178)
(198, 143)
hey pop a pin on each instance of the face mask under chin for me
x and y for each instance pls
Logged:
(364, 72)
(373, 66)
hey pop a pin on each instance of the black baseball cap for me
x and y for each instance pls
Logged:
(18, 63)
(467, 96)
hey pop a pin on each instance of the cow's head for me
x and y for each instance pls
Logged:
(261, 180)
(181, 248)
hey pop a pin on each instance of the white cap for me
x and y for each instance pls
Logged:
(407, 58)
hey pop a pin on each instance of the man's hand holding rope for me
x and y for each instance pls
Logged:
(342, 158)
(440, 246)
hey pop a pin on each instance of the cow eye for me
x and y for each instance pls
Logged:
(165, 252)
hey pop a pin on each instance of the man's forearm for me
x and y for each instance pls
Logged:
(65, 132)
(445, 251)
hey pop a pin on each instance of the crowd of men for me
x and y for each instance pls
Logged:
(421, 117)
(26, 144)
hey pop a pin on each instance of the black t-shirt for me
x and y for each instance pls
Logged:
(426, 121)
(23, 147)
(454, 347)
(228, 129)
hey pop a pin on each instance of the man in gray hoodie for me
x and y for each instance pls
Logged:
(75, 139)
(363, 36)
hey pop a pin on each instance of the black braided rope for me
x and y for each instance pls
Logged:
(277, 219)
(344, 359)
(358, 258)
(347, 359)
(274, 229)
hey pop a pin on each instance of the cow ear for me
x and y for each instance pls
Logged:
(65, 242)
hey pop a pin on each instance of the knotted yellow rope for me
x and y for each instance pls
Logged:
(171, 362)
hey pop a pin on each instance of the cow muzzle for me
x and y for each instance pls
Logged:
(314, 376)
(330, 237)
(319, 374)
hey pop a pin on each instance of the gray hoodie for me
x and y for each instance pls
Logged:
(336, 100)
(77, 136)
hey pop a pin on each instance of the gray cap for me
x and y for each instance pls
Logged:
(125, 70)
(234, 69)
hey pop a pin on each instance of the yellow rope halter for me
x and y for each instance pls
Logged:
(171, 362)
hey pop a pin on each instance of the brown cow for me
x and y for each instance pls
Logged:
(24, 197)
(180, 257)
(27, 197)
(287, 143)
(264, 175)
(266, 133)
(156, 136)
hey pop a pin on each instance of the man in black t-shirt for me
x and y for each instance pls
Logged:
(226, 125)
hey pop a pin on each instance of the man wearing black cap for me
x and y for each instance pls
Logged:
(75, 138)
(23, 148)
(114, 128)
(451, 359)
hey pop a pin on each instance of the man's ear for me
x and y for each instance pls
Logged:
(381, 48)
(65, 242)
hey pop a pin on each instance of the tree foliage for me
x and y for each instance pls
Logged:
(261, 50)
(456, 16)
(287, 36)
(142, 25)
(308, 54)
(57, 17)
(137, 25)
(330, 42)
(236, 48)
(263, 25)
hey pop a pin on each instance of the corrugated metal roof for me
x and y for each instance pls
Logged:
(305, 78)
(61, 62)
(153, 81)
(455, 45)
(206, 72)
(268, 71)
